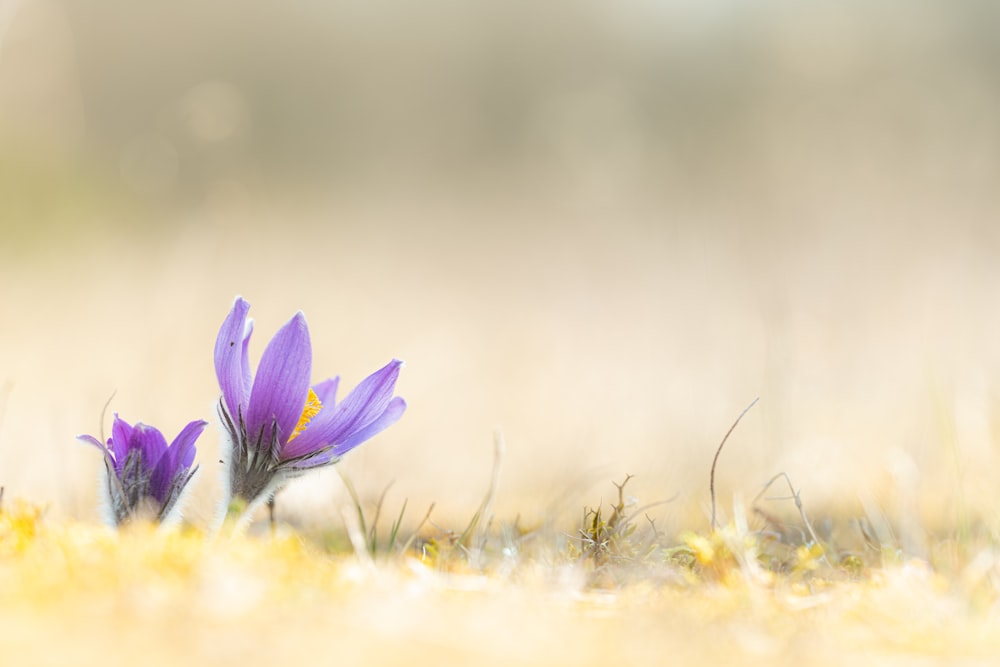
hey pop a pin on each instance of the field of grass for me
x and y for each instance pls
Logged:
(766, 585)
(594, 232)
(894, 557)
(610, 590)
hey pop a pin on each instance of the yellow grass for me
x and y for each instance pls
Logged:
(75, 593)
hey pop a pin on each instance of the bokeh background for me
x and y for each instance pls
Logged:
(601, 227)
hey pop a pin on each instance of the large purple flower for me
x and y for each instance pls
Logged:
(144, 475)
(278, 426)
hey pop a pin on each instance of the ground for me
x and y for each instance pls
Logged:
(77, 593)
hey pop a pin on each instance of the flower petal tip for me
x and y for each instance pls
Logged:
(89, 440)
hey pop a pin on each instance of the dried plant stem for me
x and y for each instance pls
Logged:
(357, 536)
(640, 510)
(416, 531)
(357, 507)
(114, 483)
(499, 449)
(715, 460)
(798, 504)
(372, 531)
(474, 534)
(394, 529)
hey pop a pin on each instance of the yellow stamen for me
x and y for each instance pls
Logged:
(313, 406)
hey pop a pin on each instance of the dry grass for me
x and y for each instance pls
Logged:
(893, 559)
(612, 590)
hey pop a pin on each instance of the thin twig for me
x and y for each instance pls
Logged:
(114, 483)
(104, 413)
(474, 529)
(372, 534)
(394, 529)
(357, 537)
(413, 535)
(357, 507)
(798, 504)
(643, 508)
(711, 476)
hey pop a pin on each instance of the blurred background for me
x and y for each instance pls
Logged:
(602, 227)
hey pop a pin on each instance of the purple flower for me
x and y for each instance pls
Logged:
(144, 475)
(278, 426)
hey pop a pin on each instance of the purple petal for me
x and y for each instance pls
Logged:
(393, 412)
(151, 442)
(182, 449)
(178, 457)
(397, 407)
(363, 405)
(121, 436)
(282, 381)
(366, 402)
(326, 391)
(232, 363)
(161, 478)
(91, 440)
(317, 461)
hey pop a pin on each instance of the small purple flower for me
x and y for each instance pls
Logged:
(145, 476)
(280, 427)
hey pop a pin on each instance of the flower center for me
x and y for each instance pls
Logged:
(312, 408)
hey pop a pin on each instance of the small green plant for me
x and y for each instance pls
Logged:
(606, 538)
